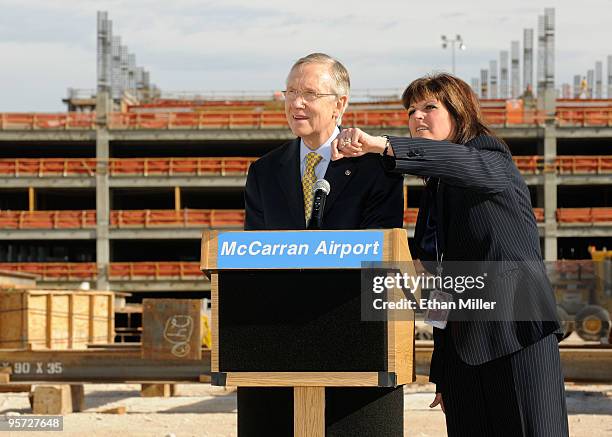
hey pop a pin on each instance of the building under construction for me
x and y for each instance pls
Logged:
(116, 191)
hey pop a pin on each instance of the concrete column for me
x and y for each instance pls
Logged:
(177, 198)
(31, 199)
(102, 190)
(550, 177)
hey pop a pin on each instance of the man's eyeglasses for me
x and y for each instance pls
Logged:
(308, 96)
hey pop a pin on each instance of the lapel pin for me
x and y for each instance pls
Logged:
(347, 172)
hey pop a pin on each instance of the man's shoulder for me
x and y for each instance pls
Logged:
(274, 156)
(370, 160)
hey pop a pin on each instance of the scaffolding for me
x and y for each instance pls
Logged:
(117, 71)
(527, 59)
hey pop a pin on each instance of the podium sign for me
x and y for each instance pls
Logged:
(286, 310)
(298, 250)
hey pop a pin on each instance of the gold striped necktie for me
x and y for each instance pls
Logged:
(308, 181)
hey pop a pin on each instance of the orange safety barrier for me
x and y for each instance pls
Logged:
(584, 116)
(539, 214)
(529, 164)
(182, 270)
(47, 219)
(216, 218)
(180, 166)
(55, 271)
(212, 218)
(574, 215)
(276, 119)
(198, 120)
(86, 219)
(34, 121)
(44, 167)
(410, 216)
(157, 270)
(200, 103)
(118, 270)
(497, 112)
(577, 164)
(584, 215)
(54, 167)
(584, 164)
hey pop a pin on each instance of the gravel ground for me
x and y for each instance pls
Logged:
(202, 410)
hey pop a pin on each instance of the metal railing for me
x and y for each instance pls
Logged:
(180, 166)
(238, 166)
(218, 218)
(584, 215)
(41, 121)
(190, 270)
(210, 218)
(155, 270)
(584, 117)
(569, 164)
(85, 219)
(148, 218)
(68, 271)
(47, 167)
(55, 271)
(498, 113)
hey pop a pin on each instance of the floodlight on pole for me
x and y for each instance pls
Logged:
(454, 41)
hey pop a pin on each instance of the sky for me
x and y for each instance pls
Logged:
(48, 46)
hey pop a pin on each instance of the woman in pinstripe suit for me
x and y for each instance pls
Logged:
(493, 378)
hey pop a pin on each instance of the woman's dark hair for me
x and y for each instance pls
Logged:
(458, 98)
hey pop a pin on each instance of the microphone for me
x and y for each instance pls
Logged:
(321, 190)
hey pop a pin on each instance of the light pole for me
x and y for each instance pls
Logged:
(452, 42)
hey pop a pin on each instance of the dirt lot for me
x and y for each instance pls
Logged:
(202, 410)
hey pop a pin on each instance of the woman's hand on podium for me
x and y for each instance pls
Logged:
(438, 400)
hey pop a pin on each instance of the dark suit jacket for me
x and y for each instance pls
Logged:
(484, 213)
(362, 195)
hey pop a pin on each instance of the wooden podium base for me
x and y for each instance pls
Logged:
(309, 411)
(320, 411)
(294, 333)
(308, 379)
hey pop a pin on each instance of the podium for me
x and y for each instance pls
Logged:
(287, 330)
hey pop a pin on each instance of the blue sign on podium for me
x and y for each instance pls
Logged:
(298, 249)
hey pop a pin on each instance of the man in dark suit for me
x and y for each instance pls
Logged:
(362, 195)
(278, 196)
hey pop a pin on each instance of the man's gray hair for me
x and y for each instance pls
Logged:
(338, 72)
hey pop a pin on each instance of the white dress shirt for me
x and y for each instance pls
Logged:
(324, 150)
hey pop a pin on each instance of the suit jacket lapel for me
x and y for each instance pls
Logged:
(338, 174)
(291, 183)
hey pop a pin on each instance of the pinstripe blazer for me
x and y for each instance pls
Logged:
(484, 213)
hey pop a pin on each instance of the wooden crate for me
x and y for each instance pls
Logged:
(55, 319)
(17, 280)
